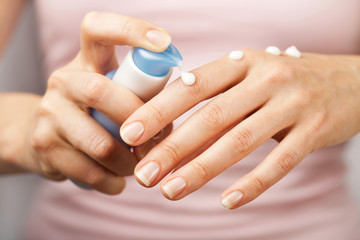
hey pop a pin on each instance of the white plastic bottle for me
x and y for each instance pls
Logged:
(145, 73)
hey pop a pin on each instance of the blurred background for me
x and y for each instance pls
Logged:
(22, 60)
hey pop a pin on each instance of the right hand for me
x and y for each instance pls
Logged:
(64, 141)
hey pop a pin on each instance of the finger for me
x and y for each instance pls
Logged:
(177, 98)
(57, 159)
(98, 144)
(228, 150)
(291, 151)
(215, 117)
(100, 31)
(82, 169)
(97, 91)
(202, 149)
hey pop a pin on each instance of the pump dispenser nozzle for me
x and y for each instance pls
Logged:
(157, 64)
(145, 73)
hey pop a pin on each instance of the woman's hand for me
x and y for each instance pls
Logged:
(61, 139)
(304, 103)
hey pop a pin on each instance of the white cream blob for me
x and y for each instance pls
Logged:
(293, 52)
(273, 50)
(236, 55)
(188, 78)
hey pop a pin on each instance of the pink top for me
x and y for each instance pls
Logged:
(310, 203)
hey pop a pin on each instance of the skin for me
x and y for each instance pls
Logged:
(304, 103)
(311, 102)
(54, 135)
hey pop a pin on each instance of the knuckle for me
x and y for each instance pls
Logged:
(212, 117)
(102, 147)
(202, 171)
(243, 140)
(319, 120)
(42, 141)
(95, 176)
(55, 80)
(287, 161)
(126, 26)
(88, 22)
(37, 141)
(199, 87)
(94, 91)
(157, 113)
(281, 72)
(171, 149)
(258, 184)
(44, 110)
(300, 98)
(48, 171)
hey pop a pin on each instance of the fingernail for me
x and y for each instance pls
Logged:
(148, 172)
(158, 38)
(174, 187)
(131, 133)
(232, 199)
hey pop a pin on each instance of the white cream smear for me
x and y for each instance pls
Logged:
(187, 77)
(293, 52)
(273, 50)
(236, 55)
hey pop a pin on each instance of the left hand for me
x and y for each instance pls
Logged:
(304, 103)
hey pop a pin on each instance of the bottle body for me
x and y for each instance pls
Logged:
(143, 85)
(145, 78)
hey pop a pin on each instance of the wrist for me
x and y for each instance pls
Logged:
(18, 112)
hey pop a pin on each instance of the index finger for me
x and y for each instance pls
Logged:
(100, 31)
(177, 98)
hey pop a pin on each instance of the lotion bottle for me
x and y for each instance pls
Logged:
(145, 73)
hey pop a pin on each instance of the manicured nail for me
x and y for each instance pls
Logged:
(131, 133)
(174, 187)
(158, 38)
(148, 173)
(232, 199)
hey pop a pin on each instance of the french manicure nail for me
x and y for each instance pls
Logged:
(148, 173)
(174, 187)
(131, 133)
(232, 199)
(158, 38)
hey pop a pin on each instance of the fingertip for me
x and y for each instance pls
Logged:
(174, 189)
(147, 173)
(116, 188)
(158, 39)
(132, 132)
(232, 200)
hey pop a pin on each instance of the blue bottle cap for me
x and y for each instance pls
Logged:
(157, 64)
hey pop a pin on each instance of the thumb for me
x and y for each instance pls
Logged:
(101, 31)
